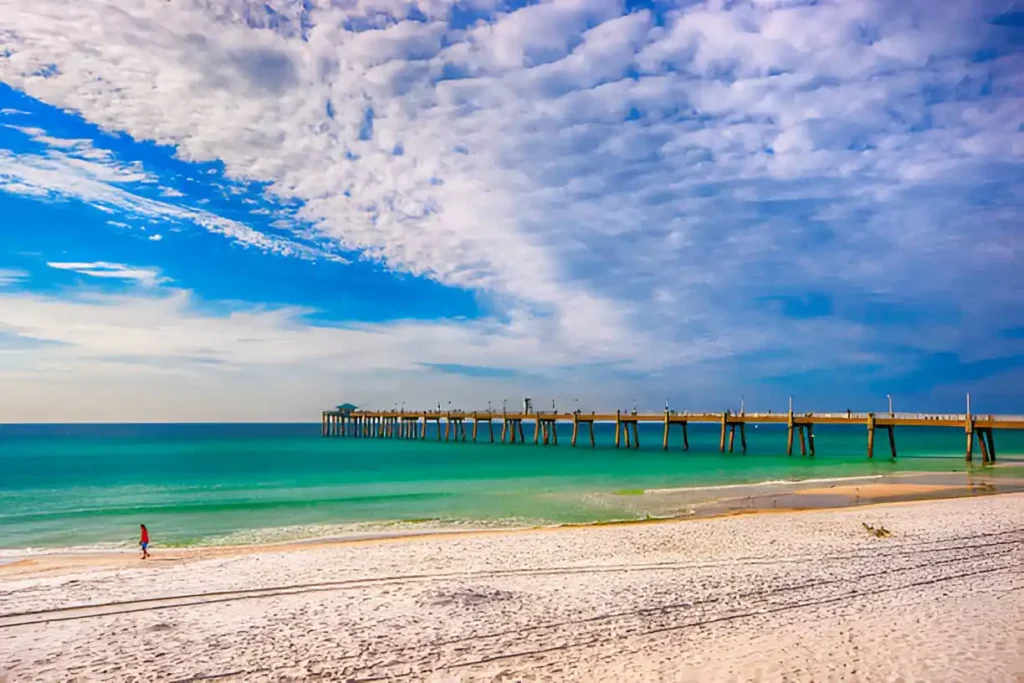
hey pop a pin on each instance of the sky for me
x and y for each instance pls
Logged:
(228, 210)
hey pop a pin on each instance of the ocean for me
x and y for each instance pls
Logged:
(90, 486)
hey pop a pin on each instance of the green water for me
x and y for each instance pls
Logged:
(91, 485)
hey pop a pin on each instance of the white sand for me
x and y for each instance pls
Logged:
(789, 596)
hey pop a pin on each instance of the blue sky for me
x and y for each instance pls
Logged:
(251, 210)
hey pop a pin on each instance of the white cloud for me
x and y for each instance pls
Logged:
(97, 183)
(624, 189)
(256, 362)
(155, 238)
(116, 271)
(11, 276)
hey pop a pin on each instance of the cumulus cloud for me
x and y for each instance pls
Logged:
(633, 185)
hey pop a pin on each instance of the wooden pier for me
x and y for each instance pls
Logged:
(412, 425)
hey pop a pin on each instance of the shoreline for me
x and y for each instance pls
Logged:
(792, 497)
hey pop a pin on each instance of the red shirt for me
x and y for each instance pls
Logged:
(145, 536)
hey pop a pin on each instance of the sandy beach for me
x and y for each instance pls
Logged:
(789, 596)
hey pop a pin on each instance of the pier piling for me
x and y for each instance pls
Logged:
(871, 435)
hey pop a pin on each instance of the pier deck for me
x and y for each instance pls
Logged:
(412, 425)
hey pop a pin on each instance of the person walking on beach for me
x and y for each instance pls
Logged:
(144, 541)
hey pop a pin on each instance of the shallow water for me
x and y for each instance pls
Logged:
(92, 485)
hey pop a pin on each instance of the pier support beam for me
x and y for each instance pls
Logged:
(520, 425)
(593, 443)
(789, 434)
(991, 445)
(618, 427)
(743, 437)
(892, 440)
(810, 437)
(490, 428)
(536, 431)
(969, 426)
(732, 436)
(476, 424)
(664, 437)
(871, 435)
(803, 441)
(686, 438)
(575, 428)
(725, 425)
(636, 434)
(625, 428)
(504, 428)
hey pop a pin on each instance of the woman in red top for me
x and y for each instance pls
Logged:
(144, 541)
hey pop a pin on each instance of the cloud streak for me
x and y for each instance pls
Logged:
(116, 271)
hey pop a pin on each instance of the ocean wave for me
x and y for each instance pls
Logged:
(768, 482)
(211, 506)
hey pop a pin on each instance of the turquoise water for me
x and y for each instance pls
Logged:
(91, 485)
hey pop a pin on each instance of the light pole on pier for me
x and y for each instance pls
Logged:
(889, 396)
(791, 404)
(634, 406)
(742, 408)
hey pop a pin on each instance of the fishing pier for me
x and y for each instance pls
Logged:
(451, 426)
